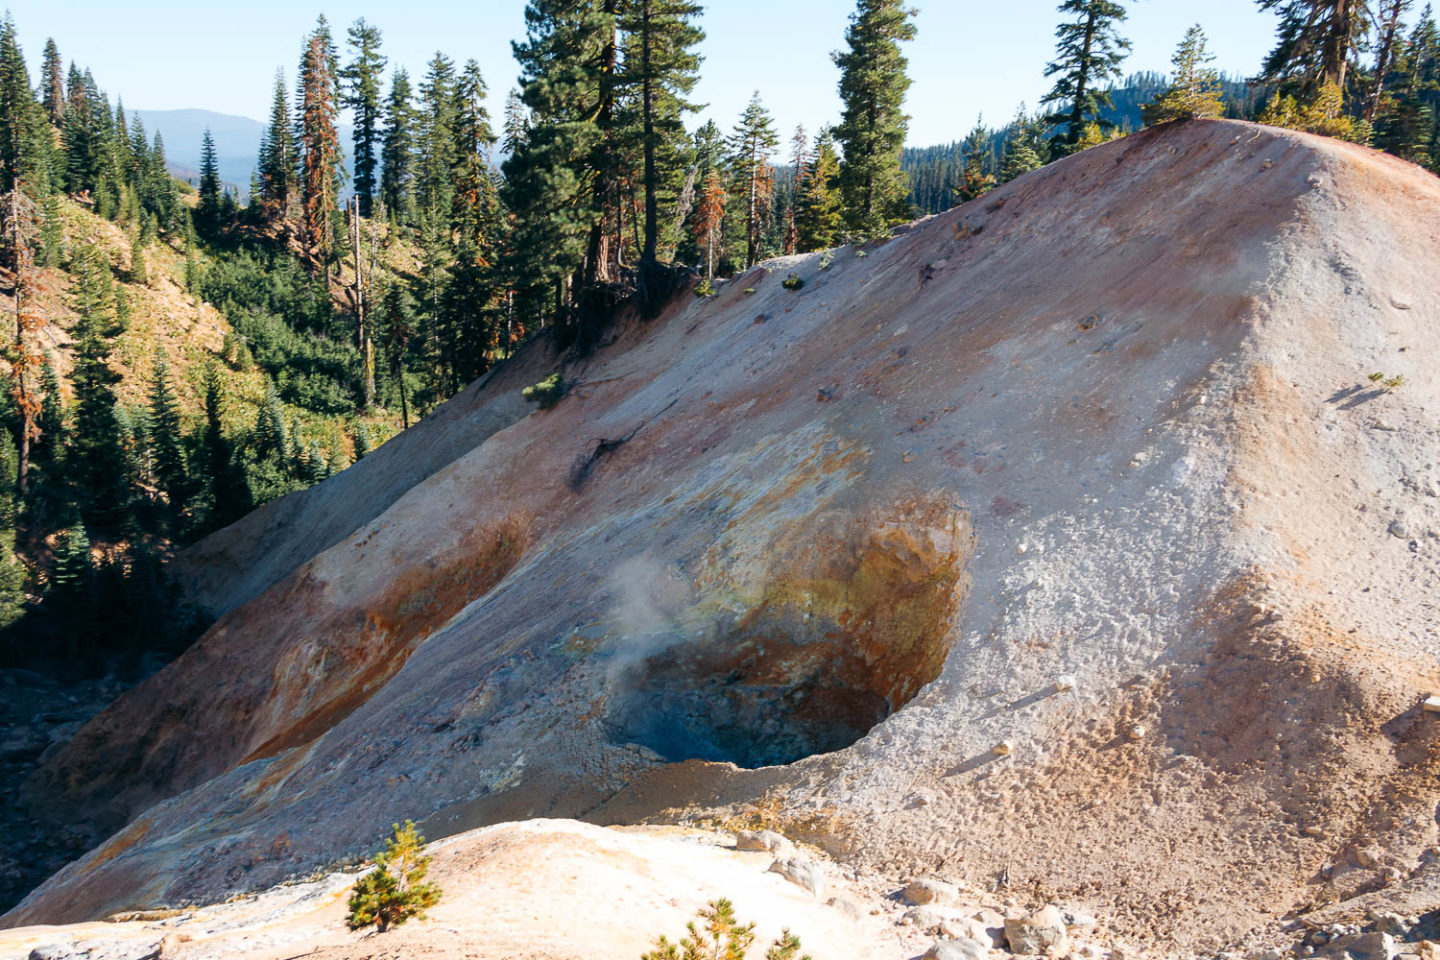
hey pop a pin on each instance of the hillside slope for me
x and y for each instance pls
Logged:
(1091, 466)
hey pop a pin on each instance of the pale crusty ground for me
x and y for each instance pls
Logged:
(1128, 394)
(541, 890)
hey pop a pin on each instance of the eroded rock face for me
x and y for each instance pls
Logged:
(1107, 424)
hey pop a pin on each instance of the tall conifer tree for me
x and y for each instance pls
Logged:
(1088, 53)
(277, 153)
(872, 128)
(752, 144)
(1315, 43)
(52, 80)
(560, 184)
(207, 214)
(397, 150)
(361, 78)
(660, 69)
(319, 143)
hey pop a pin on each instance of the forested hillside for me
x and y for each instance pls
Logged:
(176, 358)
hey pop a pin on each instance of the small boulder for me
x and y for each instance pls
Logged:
(1043, 933)
(802, 873)
(764, 841)
(956, 950)
(967, 928)
(928, 919)
(1361, 946)
(919, 892)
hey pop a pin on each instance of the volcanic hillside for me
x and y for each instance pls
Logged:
(1063, 541)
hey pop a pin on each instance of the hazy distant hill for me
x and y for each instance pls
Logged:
(237, 142)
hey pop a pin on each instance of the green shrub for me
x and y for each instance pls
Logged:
(793, 282)
(547, 392)
(396, 890)
(721, 937)
(705, 288)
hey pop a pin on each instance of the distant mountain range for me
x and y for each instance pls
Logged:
(237, 143)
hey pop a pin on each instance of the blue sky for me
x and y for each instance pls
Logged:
(972, 57)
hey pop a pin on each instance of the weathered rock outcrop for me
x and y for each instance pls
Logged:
(1110, 423)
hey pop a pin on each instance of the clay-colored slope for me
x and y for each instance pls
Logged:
(1110, 422)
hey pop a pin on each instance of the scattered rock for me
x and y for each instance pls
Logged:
(1064, 683)
(1399, 529)
(1431, 704)
(967, 928)
(1361, 946)
(765, 841)
(1137, 732)
(849, 908)
(1043, 933)
(929, 918)
(957, 950)
(1077, 922)
(1004, 748)
(929, 890)
(802, 873)
(1367, 857)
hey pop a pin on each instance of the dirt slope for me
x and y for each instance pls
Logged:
(1091, 466)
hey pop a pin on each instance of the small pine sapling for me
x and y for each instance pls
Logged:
(547, 392)
(793, 282)
(396, 890)
(719, 936)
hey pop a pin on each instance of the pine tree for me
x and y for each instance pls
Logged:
(167, 453)
(1407, 126)
(873, 124)
(97, 445)
(362, 95)
(207, 213)
(1387, 21)
(52, 80)
(20, 115)
(476, 211)
(319, 144)
(72, 571)
(820, 216)
(277, 154)
(1024, 146)
(1089, 51)
(660, 69)
(1194, 89)
(975, 179)
(562, 185)
(363, 444)
(396, 890)
(12, 574)
(710, 219)
(1314, 46)
(752, 144)
(397, 150)
(517, 122)
(435, 149)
